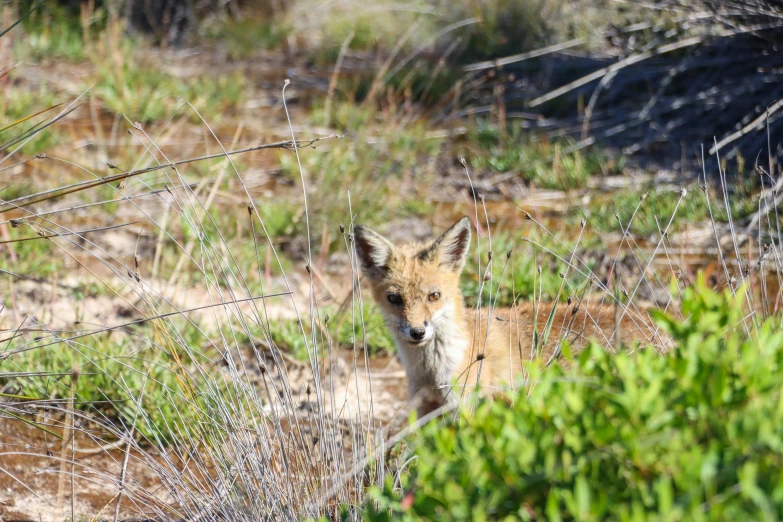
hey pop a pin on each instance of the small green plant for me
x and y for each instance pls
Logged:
(144, 92)
(246, 37)
(288, 335)
(542, 163)
(656, 209)
(53, 32)
(515, 278)
(696, 434)
(19, 115)
(368, 330)
(107, 373)
(37, 257)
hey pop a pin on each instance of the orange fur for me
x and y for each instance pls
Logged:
(417, 289)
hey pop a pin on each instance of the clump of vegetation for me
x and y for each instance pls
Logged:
(27, 254)
(291, 336)
(502, 27)
(653, 210)
(109, 375)
(21, 112)
(55, 33)
(507, 27)
(247, 36)
(516, 278)
(366, 331)
(544, 164)
(693, 435)
(386, 175)
(146, 93)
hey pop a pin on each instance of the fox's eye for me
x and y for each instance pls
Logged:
(434, 296)
(394, 299)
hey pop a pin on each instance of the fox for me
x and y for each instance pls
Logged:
(441, 341)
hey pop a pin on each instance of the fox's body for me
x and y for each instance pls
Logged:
(439, 340)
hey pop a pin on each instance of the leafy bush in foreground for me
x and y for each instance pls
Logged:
(694, 435)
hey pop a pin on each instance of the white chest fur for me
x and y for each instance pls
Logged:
(432, 367)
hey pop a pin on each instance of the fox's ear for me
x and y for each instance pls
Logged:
(451, 249)
(374, 252)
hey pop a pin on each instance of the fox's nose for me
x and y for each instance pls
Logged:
(417, 334)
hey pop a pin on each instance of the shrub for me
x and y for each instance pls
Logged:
(694, 435)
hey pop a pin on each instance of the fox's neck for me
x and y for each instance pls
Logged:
(432, 368)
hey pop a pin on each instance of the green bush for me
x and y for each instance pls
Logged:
(693, 435)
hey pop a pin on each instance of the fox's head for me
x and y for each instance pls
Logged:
(416, 285)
